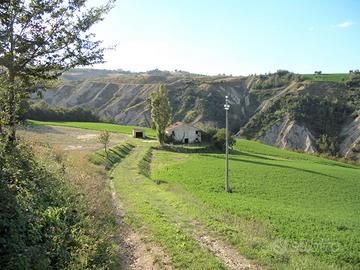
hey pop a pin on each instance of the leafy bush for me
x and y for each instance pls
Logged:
(328, 144)
(43, 112)
(219, 139)
(44, 219)
(321, 115)
(190, 116)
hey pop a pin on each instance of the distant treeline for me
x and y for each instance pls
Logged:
(44, 112)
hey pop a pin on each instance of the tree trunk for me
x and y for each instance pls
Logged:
(106, 152)
(12, 109)
(11, 88)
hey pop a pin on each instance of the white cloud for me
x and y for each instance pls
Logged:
(345, 24)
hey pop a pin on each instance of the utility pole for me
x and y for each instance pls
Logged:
(226, 107)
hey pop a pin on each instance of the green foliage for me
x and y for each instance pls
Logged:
(190, 116)
(44, 112)
(279, 79)
(44, 219)
(354, 98)
(113, 156)
(285, 208)
(219, 139)
(65, 39)
(328, 144)
(321, 115)
(258, 124)
(353, 80)
(104, 139)
(160, 111)
(39, 41)
(96, 126)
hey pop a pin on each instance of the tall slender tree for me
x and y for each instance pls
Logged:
(160, 111)
(39, 40)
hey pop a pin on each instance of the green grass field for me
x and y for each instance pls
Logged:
(331, 77)
(287, 210)
(305, 210)
(97, 126)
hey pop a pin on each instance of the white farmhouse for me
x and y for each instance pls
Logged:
(184, 133)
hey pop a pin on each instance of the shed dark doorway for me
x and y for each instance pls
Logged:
(139, 134)
(186, 140)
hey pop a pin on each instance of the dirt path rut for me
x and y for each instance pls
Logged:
(224, 252)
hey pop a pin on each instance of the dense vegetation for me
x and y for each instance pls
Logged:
(160, 112)
(44, 112)
(46, 222)
(323, 116)
(273, 80)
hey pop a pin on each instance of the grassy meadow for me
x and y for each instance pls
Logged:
(331, 77)
(287, 210)
(97, 126)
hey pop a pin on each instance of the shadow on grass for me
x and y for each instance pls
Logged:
(240, 153)
(144, 164)
(274, 165)
(159, 181)
(188, 149)
(114, 156)
(206, 149)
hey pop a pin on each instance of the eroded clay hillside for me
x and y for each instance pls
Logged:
(280, 109)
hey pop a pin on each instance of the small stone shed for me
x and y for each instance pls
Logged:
(184, 133)
(138, 133)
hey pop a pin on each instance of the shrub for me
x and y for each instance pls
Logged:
(218, 139)
(43, 112)
(190, 116)
(44, 219)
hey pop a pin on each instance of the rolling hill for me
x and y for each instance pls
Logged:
(286, 210)
(306, 113)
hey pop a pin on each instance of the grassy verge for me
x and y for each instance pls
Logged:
(97, 126)
(50, 215)
(148, 211)
(288, 210)
(115, 155)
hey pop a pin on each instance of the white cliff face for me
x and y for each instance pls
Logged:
(288, 134)
(350, 146)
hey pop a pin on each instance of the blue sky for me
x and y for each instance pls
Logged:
(233, 37)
